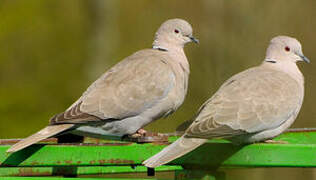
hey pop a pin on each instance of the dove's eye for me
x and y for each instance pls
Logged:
(287, 48)
(176, 31)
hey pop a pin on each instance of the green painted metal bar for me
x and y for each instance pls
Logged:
(113, 157)
(81, 170)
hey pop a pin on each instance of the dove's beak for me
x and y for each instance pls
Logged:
(304, 58)
(193, 39)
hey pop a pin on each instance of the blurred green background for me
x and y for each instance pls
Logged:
(50, 51)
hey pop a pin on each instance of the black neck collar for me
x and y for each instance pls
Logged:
(160, 48)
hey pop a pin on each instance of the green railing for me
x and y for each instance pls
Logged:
(46, 161)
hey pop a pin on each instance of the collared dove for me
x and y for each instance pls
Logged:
(143, 87)
(254, 105)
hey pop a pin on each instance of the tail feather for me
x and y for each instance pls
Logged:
(180, 147)
(45, 133)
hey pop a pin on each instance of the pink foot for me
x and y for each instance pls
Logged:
(139, 133)
(142, 132)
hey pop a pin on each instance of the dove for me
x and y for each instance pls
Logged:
(252, 106)
(145, 86)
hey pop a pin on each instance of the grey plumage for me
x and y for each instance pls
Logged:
(254, 105)
(143, 87)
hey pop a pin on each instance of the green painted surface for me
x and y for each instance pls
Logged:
(82, 170)
(103, 158)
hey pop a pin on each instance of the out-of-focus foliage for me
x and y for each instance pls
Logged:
(50, 51)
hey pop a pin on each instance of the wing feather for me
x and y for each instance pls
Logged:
(129, 88)
(251, 101)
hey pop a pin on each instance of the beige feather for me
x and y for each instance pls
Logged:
(178, 148)
(47, 132)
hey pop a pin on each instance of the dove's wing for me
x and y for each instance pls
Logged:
(251, 101)
(131, 87)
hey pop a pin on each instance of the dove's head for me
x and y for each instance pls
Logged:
(284, 48)
(173, 33)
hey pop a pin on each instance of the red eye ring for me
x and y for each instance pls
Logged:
(287, 48)
(176, 31)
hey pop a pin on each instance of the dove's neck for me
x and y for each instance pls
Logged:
(176, 52)
(179, 55)
(288, 67)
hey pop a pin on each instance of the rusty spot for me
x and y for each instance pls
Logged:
(116, 161)
(32, 172)
(112, 161)
(13, 141)
(58, 162)
(297, 130)
(109, 144)
(92, 140)
(78, 162)
(91, 144)
(102, 161)
(155, 138)
(161, 143)
(162, 139)
(92, 162)
(34, 163)
(68, 161)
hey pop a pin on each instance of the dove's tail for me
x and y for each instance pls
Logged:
(180, 147)
(45, 133)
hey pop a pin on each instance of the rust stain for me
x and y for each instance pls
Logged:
(31, 172)
(68, 161)
(161, 143)
(92, 162)
(112, 161)
(78, 162)
(53, 141)
(101, 144)
(34, 163)
(117, 144)
(115, 161)
(13, 141)
(128, 162)
(297, 130)
(58, 162)
(102, 161)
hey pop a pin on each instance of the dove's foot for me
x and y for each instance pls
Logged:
(270, 141)
(142, 132)
(139, 133)
(143, 136)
